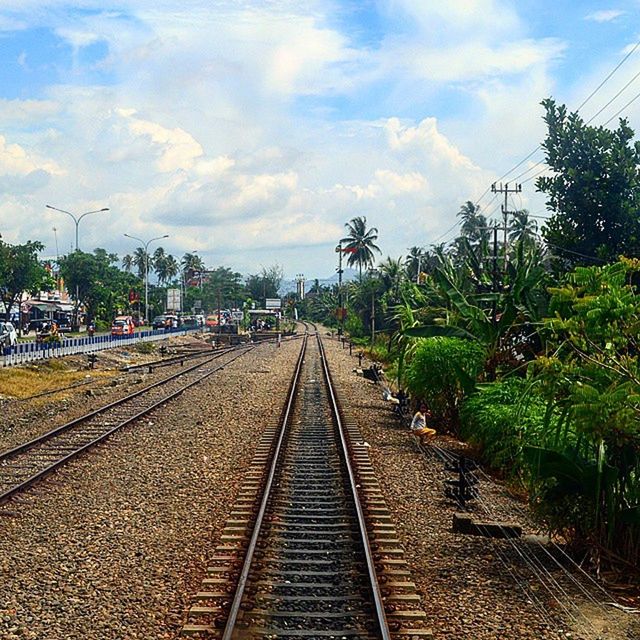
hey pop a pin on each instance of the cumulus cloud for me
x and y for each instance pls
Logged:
(235, 126)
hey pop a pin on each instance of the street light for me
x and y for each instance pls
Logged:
(146, 271)
(77, 220)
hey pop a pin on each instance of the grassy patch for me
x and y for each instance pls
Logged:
(23, 382)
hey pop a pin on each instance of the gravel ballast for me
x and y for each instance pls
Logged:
(467, 590)
(113, 545)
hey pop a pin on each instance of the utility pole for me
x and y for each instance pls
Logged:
(505, 210)
(340, 302)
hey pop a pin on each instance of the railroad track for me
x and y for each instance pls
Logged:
(27, 463)
(309, 550)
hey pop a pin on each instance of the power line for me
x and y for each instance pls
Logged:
(582, 104)
(597, 113)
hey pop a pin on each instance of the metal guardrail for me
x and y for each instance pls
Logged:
(25, 352)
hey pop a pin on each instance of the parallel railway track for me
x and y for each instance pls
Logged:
(25, 464)
(309, 538)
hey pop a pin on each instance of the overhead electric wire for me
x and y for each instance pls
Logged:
(542, 574)
(582, 104)
(597, 113)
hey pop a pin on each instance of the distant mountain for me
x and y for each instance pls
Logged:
(289, 286)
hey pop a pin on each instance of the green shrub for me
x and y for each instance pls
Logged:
(145, 347)
(353, 326)
(441, 372)
(502, 424)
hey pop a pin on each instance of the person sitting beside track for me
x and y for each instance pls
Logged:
(419, 424)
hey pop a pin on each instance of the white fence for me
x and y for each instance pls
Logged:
(28, 351)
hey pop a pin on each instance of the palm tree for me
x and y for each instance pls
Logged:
(413, 262)
(474, 225)
(392, 275)
(141, 261)
(165, 265)
(523, 228)
(191, 264)
(360, 243)
(127, 263)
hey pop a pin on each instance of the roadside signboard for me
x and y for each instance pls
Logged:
(272, 303)
(173, 299)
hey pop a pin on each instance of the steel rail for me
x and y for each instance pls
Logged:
(60, 462)
(373, 578)
(165, 362)
(244, 574)
(68, 425)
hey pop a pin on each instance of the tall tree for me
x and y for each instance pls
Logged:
(361, 243)
(127, 263)
(523, 228)
(474, 224)
(594, 191)
(165, 265)
(20, 270)
(265, 284)
(142, 261)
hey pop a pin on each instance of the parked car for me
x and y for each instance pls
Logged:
(190, 322)
(8, 334)
(158, 322)
(212, 321)
(122, 326)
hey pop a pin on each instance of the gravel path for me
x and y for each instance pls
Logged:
(112, 546)
(467, 591)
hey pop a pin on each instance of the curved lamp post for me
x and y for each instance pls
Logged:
(77, 219)
(77, 223)
(146, 270)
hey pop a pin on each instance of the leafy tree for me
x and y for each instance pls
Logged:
(265, 284)
(97, 284)
(594, 191)
(20, 270)
(362, 243)
(222, 286)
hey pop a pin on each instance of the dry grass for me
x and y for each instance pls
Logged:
(24, 382)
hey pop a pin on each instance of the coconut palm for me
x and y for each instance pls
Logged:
(191, 264)
(127, 263)
(474, 224)
(165, 265)
(141, 261)
(392, 275)
(360, 243)
(523, 228)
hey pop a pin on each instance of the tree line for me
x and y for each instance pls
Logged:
(527, 348)
(104, 285)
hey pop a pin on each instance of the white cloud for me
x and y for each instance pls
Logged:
(220, 122)
(606, 15)
(15, 160)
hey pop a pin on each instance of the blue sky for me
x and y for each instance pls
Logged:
(252, 131)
